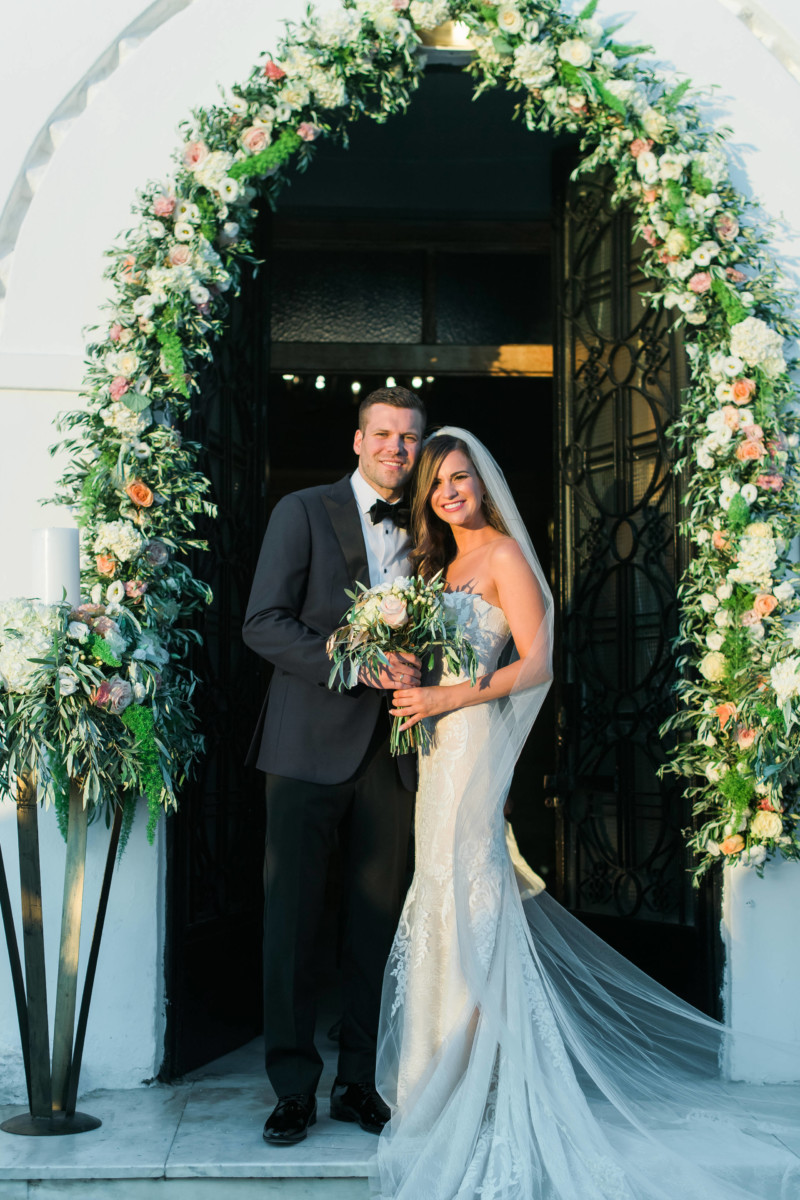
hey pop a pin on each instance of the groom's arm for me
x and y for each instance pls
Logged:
(272, 626)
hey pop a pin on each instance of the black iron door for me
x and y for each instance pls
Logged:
(622, 864)
(215, 846)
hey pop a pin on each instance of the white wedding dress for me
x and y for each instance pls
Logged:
(522, 1058)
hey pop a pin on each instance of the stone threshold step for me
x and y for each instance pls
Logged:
(184, 1189)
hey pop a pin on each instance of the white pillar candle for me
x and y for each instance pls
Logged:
(56, 565)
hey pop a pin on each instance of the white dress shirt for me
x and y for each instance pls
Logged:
(387, 546)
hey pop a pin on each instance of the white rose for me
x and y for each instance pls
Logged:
(144, 306)
(655, 124)
(704, 458)
(715, 641)
(784, 591)
(676, 241)
(532, 64)
(708, 602)
(724, 591)
(756, 855)
(766, 824)
(78, 630)
(199, 294)
(575, 51)
(509, 19)
(722, 618)
(67, 681)
(156, 229)
(670, 166)
(785, 679)
(296, 95)
(712, 666)
(712, 772)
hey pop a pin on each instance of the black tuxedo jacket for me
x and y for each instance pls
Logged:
(312, 551)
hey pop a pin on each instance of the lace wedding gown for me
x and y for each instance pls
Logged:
(522, 1058)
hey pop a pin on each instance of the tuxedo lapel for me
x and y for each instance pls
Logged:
(340, 504)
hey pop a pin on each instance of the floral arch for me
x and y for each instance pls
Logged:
(99, 693)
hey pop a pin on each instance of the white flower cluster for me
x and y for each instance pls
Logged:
(33, 626)
(337, 27)
(753, 341)
(785, 679)
(533, 63)
(427, 14)
(756, 560)
(124, 421)
(119, 538)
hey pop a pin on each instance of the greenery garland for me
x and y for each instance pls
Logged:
(103, 689)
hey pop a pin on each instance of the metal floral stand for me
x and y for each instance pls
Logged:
(52, 1086)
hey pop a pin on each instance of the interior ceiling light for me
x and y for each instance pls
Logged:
(416, 382)
(355, 387)
(391, 381)
(319, 382)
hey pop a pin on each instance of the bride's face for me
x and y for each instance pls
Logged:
(458, 492)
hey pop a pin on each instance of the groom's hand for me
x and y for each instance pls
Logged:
(401, 670)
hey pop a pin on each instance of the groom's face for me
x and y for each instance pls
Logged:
(388, 446)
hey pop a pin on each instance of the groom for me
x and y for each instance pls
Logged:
(329, 770)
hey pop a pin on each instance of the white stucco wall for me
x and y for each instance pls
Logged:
(111, 84)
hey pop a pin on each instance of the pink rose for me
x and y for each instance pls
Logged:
(164, 206)
(770, 483)
(179, 255)
(742, 390)
(102, 695)
(114, 694)
(641, 146)
(393, 612)
(119, 386)
(665, 257)
(745, 738)
(399, 5)
(750, 617)
(754, 432)
(649, 235)
(700, 282)
(127, 273)
(731, 416)
(254, 139)
(273, 71)
(308, 132)
(748, 450)
(115, 332)
(87, 612)
(726, 226)
(135, 588)
(194, 153)
(764, 604)
(734, 275)
(577, 103)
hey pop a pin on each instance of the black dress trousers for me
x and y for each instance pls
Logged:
(372, 813)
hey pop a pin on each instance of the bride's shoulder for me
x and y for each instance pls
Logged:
(506, 551)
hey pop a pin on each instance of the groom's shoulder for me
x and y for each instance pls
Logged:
(317, 498)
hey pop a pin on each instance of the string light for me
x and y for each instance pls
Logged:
(319, 382)
(391, 381)
(429, 379)
(355, 387)
(287, 378)
(416, 382)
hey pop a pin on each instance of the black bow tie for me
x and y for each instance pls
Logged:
(400, 513)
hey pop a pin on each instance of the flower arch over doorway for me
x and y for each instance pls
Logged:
(173, 271)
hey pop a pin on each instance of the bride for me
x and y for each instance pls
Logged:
(521, 1057)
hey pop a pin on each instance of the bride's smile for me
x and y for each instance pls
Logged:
(458, 493)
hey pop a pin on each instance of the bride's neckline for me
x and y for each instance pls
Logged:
(474, 596)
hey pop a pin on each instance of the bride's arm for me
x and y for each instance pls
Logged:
(520, 598)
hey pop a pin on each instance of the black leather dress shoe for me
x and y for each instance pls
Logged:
(361, 1103)
(289, 1120)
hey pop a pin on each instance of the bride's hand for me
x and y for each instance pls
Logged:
(414, 704)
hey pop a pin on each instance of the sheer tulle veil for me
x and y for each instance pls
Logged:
(568, 1074)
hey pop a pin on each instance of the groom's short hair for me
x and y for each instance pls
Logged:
(397, 397)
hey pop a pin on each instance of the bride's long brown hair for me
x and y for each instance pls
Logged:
(434, 544)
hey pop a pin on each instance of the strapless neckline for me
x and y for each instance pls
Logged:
(475, 596)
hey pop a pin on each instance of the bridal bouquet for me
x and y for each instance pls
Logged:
(405, 615)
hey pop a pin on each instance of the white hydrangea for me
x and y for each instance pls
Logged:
(533, 64)
(427, 14)
(328, 88)
(755, 562)
(295, 95)
(26, 632)
(759, 346)
(120, 538)
(712, 164)
(124, 421)
(630, 93)
(785, 679)
(337, 27)
(150, 649)
(213, 169)
(795, 638)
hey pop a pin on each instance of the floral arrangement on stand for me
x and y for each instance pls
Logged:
(173, 272)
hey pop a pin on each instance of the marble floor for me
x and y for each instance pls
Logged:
(202, 1136)
(200, 1139)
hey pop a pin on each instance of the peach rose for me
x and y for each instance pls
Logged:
(393, 612)
(745, 738)
(179, 255)
(140, 493)
(754, 432)
(742, 390)
(727, 226)
(641, 146)
(649, 235)
(749, 618)
(725, 712)
(254, 139)
(164, 206)
(734, 275)
(400, 5)
(731, 416)
(119, 386)
(194, 153)
(106, 565)
(649, 195)
(273, 71)
(771, 483)
(700, 282)
(748, 450)
(733, 844)
(127, 273)
(135, 588)
(719, 540)
(764, 604)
